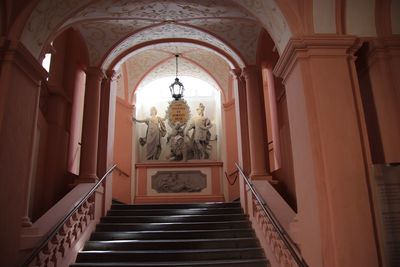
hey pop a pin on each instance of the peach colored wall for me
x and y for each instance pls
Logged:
(231, 148)
(36, 193)
(285, 174)
(19, 77)
(65, 80)
(380, 101)
(123, 152)
(281, 146)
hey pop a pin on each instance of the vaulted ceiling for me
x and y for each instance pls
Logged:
(212, 36)
(159, 61)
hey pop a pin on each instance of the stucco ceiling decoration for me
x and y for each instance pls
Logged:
(271, 18)
(186, 68)
(160, 10)
(52, 16)
(170, 31)
(102, 35)
(194, 61)
(138, 66)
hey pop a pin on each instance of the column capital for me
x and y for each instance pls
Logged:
(111, 75)
(250, 70)
(236, 73)
(95, 72)
(315, 46)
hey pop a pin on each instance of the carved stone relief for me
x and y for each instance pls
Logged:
(178, 181)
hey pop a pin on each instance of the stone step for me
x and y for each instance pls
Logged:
(174, 218)
(175, 244)
(176, 206)
(259, 262)
(107, 227)
(169, 255)
(166, 211)
(176, 234)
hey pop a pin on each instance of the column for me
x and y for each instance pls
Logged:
(255, 113)
(90, 128)
(241, 120)
(335, 224)
(107, 123)
(106, 134)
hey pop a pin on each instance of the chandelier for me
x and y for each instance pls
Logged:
(176, 87)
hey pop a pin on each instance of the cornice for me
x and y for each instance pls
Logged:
(175, 164)
(14, 52)
(315, 46)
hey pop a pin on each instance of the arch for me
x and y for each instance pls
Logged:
(146, 74)
(162, 32)
(115, 63)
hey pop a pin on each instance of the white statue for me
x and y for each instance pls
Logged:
(201, 135)
(176, 138)
(155, 131)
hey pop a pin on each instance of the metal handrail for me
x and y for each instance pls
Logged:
(290, 245)
(65, 219)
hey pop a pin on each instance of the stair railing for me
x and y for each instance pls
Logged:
(283, 235)
(59, 227)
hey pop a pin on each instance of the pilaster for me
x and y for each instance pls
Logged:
(20, 82)
(330, 164)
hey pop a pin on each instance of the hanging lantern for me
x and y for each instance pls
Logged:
(176, 87)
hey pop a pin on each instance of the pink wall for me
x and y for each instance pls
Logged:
(231, 148)
(19, 76)
(281, 145)
(123, 152)
(65, 83)
(330, 166)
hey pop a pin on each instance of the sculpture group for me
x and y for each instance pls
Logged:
(189, 140)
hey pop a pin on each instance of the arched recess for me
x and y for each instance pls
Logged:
(144, 79)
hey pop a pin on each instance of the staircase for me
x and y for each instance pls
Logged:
(208, 234)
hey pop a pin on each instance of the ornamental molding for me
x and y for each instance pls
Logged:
(314, 46)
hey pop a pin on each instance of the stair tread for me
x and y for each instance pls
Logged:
(177, 231)
(175, 263)
(196, 235)
(173, 216)
(174, 240)
(168, 251)
(171, 206)
(165, 223)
